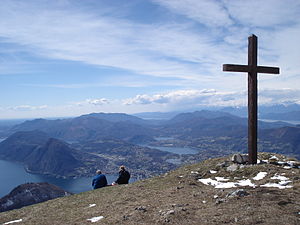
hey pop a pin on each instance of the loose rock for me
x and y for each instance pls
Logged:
(232, 168)
(141, 208)
(237, 193)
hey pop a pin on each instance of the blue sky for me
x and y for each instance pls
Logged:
(72, 57)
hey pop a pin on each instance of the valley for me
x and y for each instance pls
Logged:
(76, 147)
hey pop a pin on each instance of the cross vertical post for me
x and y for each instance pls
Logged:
(252, 69)
(252, 99)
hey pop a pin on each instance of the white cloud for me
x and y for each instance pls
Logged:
(279, 96)
(169, 101)
(94, 102)
(208, 98)
(28, 108)
(192, 98)
(100, 101)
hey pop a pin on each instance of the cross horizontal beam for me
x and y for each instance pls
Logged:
(248, 69)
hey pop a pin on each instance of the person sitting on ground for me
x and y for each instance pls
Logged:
(124, 176)
(99, 180)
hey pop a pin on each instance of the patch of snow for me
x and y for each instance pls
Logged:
(287, 167)
(216, 196)
(264, 160)
(284, 183)
(279, 177)
(194, 172)
(209, 181)
(260, 175)
(92, 205)
(276, 185)
(226, 185)
(218, 184)
(204, 202)
(274, 157)
(221, 179)
(281, 162)
(14, 221)
(293, 164)
(95, 219)
(213, 171)
(246, 183)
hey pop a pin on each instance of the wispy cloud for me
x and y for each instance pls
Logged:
(267, 13)
(95, 102)
(207, 12)
(28, 108)
(280, 96)
(165, 50)
(227, 13)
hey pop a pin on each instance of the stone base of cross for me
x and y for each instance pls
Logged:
(252, 69)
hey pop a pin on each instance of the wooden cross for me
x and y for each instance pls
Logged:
(252, 69)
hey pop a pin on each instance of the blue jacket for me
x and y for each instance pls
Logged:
(99, 181)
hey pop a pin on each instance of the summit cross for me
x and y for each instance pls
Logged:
(252, 69)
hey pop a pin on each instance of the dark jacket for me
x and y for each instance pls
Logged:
(99, 181)
(123, 178)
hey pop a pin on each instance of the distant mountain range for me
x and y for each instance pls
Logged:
(264, 110)
(78, 146)
(241, 111)
(130, 128)
(288, 116)
(88, 127)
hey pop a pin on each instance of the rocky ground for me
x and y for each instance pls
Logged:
(215, 191)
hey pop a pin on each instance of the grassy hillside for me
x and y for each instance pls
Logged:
(183, 196)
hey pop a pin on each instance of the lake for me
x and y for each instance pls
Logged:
(176, 150)
(172, 149)
(13, 174)
(294, 122)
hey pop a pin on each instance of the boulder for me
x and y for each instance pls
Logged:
(239, 158)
